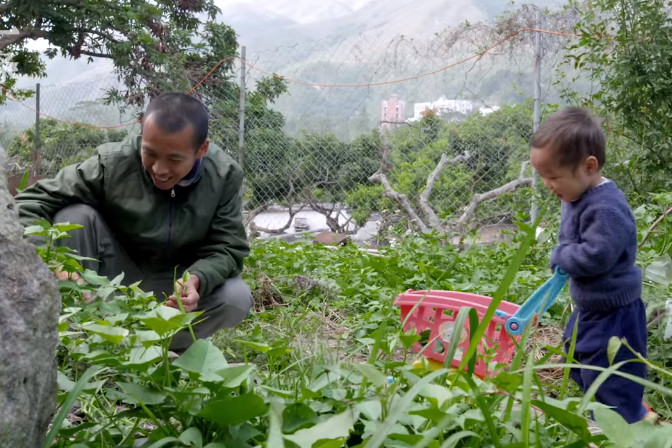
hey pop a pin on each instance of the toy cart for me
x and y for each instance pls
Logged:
(437, 311)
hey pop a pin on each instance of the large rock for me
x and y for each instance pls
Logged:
(29, 310)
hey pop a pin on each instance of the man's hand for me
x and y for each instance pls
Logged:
(88, 296)
(73, 276)
(188, 293)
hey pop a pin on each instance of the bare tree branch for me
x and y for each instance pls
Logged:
(95, 55)
(332, 222)
(394, 122)
(656, 317)
(253, 214)
(385, 164)
(315, 205)
(282, 229)
(654, 225)
(279, 230)
(347, 222)
(401, 198)
(24, 33)
(249, 220)
(470, 210)
(100, 33)
(523, 167)
(423, 202)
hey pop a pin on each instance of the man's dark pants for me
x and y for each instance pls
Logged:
(225, 307)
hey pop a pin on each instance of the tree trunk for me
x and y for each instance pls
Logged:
(30, 306)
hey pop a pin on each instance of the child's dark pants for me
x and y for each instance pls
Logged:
(593, 334)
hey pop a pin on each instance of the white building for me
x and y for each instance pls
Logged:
(487, 110)
(442, 106)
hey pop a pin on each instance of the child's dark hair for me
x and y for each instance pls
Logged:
(174, 111)
(574, 134)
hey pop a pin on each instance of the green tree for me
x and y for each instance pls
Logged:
(315, 170)
(332, 168)
(489, 151)
(269, 167)
(142, 37)
(156, 46)
(492, 140)
(624, 49)
(267, 149)
(61, 145)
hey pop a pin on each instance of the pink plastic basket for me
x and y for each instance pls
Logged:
(437, 313)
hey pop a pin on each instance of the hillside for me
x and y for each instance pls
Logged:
(343, 42)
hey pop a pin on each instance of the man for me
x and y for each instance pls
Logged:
(163, 199)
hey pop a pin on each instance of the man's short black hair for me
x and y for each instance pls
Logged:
(174, 111)
(574, 134)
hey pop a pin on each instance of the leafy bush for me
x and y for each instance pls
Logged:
(60, 145)
(323, 363)
(491, 150)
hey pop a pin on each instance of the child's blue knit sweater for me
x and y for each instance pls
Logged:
(597, 248)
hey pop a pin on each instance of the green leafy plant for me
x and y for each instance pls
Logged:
(322, 363)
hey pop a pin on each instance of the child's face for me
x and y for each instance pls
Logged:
(567, 182)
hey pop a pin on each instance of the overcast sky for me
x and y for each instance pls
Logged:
(300, 11)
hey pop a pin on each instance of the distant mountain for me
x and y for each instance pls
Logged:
(266, 24)
(263, 25)
(331, 41)
(377, 42)
(61, 71)
(254, 26)
(298, 11)
(290, 22)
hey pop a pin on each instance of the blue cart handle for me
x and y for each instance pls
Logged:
(538, 303)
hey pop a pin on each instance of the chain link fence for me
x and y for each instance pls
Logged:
(60, 125)
(370, 132)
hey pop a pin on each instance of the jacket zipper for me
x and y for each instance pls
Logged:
(170, 218)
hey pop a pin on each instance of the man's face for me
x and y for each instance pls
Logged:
(168, 157)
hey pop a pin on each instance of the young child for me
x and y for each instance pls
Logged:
(597, 246)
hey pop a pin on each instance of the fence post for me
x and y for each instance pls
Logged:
(241, 112)
(38, 142)
(534, 211)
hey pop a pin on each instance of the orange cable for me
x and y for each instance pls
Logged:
(307, 83)
(410, 78)
(205, 78)
(73, 123)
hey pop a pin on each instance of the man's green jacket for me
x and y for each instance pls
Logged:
(199, 226)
